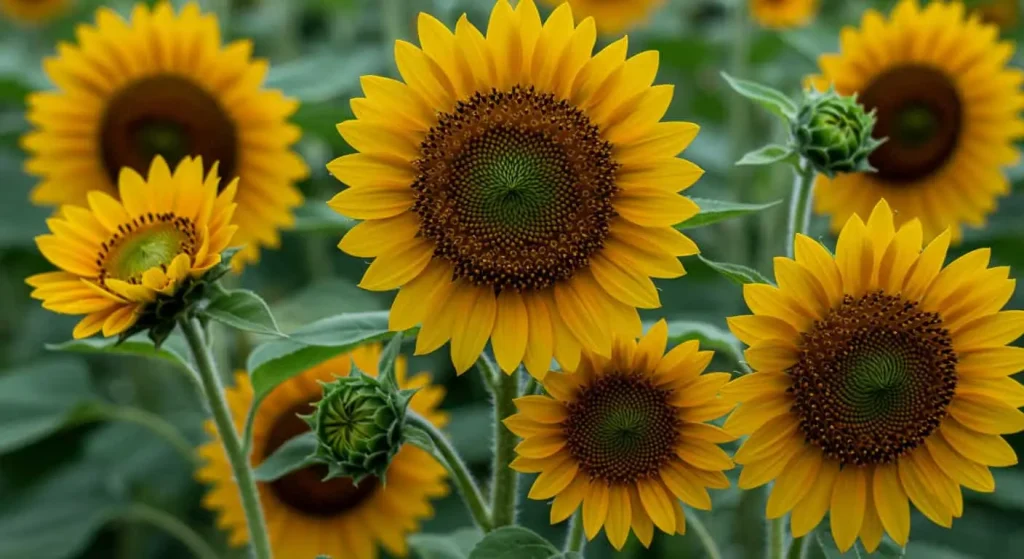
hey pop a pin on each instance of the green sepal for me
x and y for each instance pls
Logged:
(771, 99)
(833, 133)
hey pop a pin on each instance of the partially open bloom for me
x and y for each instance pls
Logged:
(948, 103)
(162, 84)
(783, 14)
(516, 188)
(615, 16)
(880, 376)
(625, 438)
(33, 12)
(307, 516)
(120, 259)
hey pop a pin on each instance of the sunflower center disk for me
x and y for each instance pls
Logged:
(304, 490)
(621, 429)
(515, 189)
(168, 116)
(150, 241)
(874, 379)
(920, 112)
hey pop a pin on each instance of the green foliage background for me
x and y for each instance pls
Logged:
(71, 482)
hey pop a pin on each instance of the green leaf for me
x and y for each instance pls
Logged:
(772, 99)
(709, 336)
(736, 272)
(386, 365)
(295, 454)
(513, 542)
(326, 75)
(456, 545)
(768, 155)
(38, 399)
(713, 211)
(315, 217)
(173, 349)
(418, 437)
(244, 310)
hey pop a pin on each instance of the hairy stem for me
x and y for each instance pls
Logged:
(505, 480)
(800, 205)
(776, 537)
(575, 540)
(710, 547)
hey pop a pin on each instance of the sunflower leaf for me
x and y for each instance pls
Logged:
(773, 100)
(454, 545)
(418, 437)
(173, 350)
(295, 454)
(736, 272)
(713, 211)
(388, 358)
(769, 155)
(244, 310)
(513, 542)
(38, 399)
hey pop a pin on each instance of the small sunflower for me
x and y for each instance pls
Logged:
(33, 11)
(613, 16)
(516, 188)
(880, 376)
(783, 14)
(117, 257)
(626, 438)
(162, 84)
(307, 517)
(948, 104)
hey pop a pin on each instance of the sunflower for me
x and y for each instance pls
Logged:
(783, 14)
(116, 257)
(625, 438)
(33, 11)
(162, 85)
(516, 188)
(948, 104)
(307, 517)
(613, 16)
(881, 376)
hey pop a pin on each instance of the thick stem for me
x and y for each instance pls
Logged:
(776, 537)
(575, 540)
(800, 205)
(173, 527)
(710, 547)
(505, 480)
(448, 456)
(229, 437)
(798, 549)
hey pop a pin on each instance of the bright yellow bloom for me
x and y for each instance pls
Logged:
(307, 517)
(118, 257)
(613, 16)
(33, 11)
(880, 377)
(162, 84)
(517, 188)
(783, 14)
(625, 438)
(949, 105)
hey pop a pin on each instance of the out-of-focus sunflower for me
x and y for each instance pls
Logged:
(33, 11)
(949, 106)
(613, 16)
(783, 14)
(307, 517)
(116, 257)
(162, 84)
(517, 188)
(625, 438)
(880, 377)
(1003, 13)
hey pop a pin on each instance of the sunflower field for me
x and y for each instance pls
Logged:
(511, 279)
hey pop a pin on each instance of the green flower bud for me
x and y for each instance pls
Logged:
(833, 133)
(359, 425)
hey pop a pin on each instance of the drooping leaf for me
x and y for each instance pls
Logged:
(173, 350)
(388, 357)
(455, 545)
(768, 155)
(38, 399)
(295, 454)
(736, 272)
(244, 310)
(771, 99)
(713, 211)
(513, 542)
(709, 336)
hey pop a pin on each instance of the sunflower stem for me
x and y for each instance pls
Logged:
(800, 205)
(214, 393)
(167, 523)
(447, 455)
(505, 480)
(798, 549)
(710, 547)
(776, 537)
(738, 126)
(575, 539)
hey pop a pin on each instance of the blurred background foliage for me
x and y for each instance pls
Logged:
(79, 477)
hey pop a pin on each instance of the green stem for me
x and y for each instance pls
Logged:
(532, 387)
(394, 21)
(505, 480)
(575, 539)
(710, 547)
(776, 537)
(739, 128)
(468, 488)
(138, 512)
(157, 425)
(798, 549)
(800, 205)
(229, 437)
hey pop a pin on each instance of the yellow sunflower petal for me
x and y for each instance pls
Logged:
(619, 514)
(848, 503)
(658, 504)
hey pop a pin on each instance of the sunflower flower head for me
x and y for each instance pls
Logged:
(138, 263)
(625, 439)
(33, 12)
(359, 424)
(834, 133)
(882, 379)
(783, 14)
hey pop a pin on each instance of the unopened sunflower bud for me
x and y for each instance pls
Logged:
(833, 133)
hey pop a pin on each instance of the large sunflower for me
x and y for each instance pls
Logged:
(613, 16)
(880, 376)
(33, 11)
(517, 188)
(162, 84)
(307, 517)
(117, 257)
(783, 14)
(625, 438)
(949, 106)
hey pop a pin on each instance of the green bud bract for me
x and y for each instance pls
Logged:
(833, 133)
